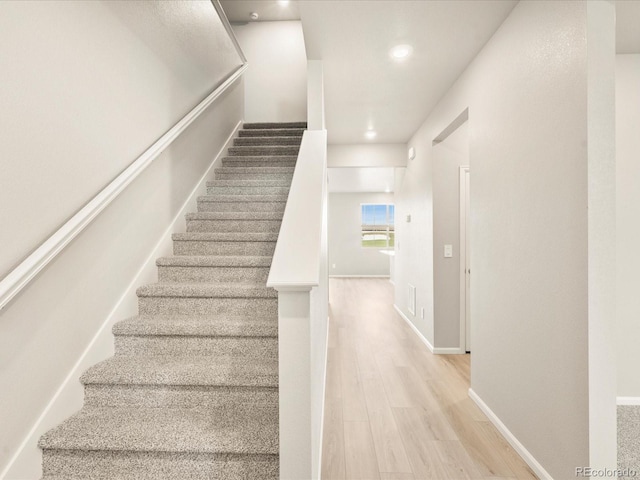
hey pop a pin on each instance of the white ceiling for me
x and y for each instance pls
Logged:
(367, 179)
(238, 11)
(364, 87)
(628, 26)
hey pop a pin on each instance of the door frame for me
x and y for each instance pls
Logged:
(464, 194)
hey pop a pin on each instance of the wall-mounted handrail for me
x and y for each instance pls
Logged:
(228, 28)
(20, 277)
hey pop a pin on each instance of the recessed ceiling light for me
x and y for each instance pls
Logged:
(283, 3)
(400, 52)
(370, 134)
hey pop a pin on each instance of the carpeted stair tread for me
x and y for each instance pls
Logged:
(203, 290)
(195, 370)
(226, 237)
(230, 429)
(214, 261)
(256, 170)
(250, 183)
(242, 198)
(262, 140)
(259, 158)
(275, 125)
(234, 216)
(264, 150)
(186, 325)
(271, 132)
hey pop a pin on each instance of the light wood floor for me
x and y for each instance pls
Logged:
(395, 411)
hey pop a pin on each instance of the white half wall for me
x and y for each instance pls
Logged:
(628, 222)
(347, 256)
(527, 95)
(276, 81)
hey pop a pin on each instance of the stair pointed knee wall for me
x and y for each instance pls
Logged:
(192, 391)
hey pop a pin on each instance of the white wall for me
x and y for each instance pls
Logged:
(628, 222)
(345, 248)
(363, 155)
(448, 157)
(92, 85)
(527, 96)
(276, 81)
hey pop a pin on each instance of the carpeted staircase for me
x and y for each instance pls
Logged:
(192, 391)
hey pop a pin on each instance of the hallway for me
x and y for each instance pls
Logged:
(393, 410)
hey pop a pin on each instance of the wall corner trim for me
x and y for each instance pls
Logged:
(510, 437)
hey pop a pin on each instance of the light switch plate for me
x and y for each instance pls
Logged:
(412, 153)
(408, 218)
(448, 251)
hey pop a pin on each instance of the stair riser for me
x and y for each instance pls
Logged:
(256, 170)
(223, 248)
(260, 141)
(128, 465)
(227, 226)
(207, 306)
(238, 151)
(266, 163)
(273, 132)
(247, 190)
(273, 177)
(248, 347)
(178, 396)
(241, 206)
(274, 125)
(171, 274)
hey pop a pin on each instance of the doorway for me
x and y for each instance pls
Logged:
(465, 257)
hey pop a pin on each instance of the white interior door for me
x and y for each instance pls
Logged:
(465, 268)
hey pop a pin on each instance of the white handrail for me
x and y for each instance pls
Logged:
(295, 261)
(20, 277)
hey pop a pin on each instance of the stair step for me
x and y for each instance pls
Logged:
(271, 132)
(248, 190)
(212, 203)
(282, 177)
(264, 141)
(234, 221)
(249, 182)
(276, 125)
(233, 429)
(199, 243)
(266, 171)
(134, 465)
(207, 299)
(265, 150)
(260, 161)
(187, 336)
(224, 269)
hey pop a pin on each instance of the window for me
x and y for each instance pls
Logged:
(377, 225)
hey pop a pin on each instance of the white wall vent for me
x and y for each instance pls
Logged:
(412, 299)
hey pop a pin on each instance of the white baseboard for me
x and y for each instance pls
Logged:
(324, 394)
(358, 276)
(628, 400)
(68, 397)
(432, 349)
(510, 437)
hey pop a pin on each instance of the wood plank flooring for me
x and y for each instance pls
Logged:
(395, 411)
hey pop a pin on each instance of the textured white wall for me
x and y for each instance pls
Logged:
(345, 248)
(88, 86)
(91, 86)
(363, 155)
(527, 97)
(628, 222)
(448, 156)
(276, 81)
